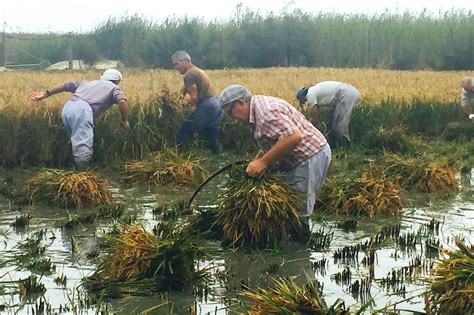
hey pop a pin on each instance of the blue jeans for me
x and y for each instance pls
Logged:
(206, 121)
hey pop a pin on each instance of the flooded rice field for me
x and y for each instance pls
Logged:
(381, 275)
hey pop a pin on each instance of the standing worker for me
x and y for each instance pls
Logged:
(206, 118)
(288, 142)
(89, 101)
(467, 96)
(340, 98)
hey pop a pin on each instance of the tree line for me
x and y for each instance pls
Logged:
(252, 39)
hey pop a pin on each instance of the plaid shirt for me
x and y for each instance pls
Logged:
(272, 118)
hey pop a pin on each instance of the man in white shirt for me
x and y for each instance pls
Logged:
(467, 96)
(340, 98)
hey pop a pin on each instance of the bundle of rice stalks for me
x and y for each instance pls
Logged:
(172, 101)
(459, 131)
(451, 288)
(257, 211)
(366, 195)
(66, 189)
(144, 264)
(289, 298)
(418, 172)
(166, 167)
(392, 139)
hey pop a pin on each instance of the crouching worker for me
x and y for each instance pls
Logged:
(89, 101)
(340, 98)
(467, 96)
(288, 143)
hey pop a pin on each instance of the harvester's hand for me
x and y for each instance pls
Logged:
(471, 117)
(256, 168)
(36, 96)
(124, 124)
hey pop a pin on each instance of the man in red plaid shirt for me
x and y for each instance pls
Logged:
(287, 140)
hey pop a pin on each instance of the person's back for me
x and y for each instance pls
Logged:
(323, 93)
(196, 76)
(99, 94)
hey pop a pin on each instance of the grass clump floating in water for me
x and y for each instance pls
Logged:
(66, 189)
(257, 211)
(366, 195)
(144, 264)
(420, 172)
(287, 297)
(451, 288)
(165, 167)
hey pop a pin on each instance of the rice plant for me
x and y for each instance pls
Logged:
(144, 264)
(257, 211)
(164, 167)
(66, 189)
(366, 195)
(420, 172)
(451, 287)
(287, 297)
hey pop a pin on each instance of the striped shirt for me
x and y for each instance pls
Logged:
(272, 118)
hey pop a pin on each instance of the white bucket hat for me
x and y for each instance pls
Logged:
(111, 75)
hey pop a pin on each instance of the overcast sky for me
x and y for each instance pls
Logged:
(85, 15)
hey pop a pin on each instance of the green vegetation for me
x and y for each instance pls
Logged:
(287, 38)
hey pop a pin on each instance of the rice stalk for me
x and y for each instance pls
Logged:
(451, 289)
(366, 195)
(420, 173)
(287, 297)
(162, 168)
(66, 189)
(257, 211)
(144, 264)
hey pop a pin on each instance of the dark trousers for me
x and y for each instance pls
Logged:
(206, 121)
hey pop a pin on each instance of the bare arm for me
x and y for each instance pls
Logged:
(281, 148)
(193, 94)
(123, 109)
(37, 96)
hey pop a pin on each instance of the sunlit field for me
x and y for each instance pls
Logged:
(140, 85)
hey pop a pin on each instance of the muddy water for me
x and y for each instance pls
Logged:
(70, 251)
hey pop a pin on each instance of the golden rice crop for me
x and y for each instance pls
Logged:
(420, 172)
(164, 167)
(144, 264)
(451, 289)
(287, 297)
(66, 189)
(366, 195)
(375, 85)
(257, 211)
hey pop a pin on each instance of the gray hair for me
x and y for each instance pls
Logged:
(180, 55)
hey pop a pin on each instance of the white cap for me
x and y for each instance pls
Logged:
(111, 75)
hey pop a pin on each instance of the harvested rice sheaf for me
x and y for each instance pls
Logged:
(257, 211)
(451, 288)
(287, 297)
(420, 173)
(366, 195)
(167, 167)
(144, 264)
(66, 189)
(393, 139)
(459, 131)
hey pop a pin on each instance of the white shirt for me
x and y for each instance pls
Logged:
(467, 97)
(322, 93)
